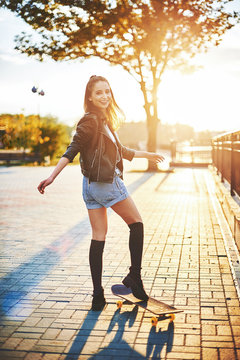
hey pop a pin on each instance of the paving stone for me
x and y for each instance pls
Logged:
(236, 330)
(235, 320)
(11, 343)
(66, 334)
(192, 340)
(224, 330)
(209, 353)
(46, 287)
(45, 322)
(208, 329)
(218, 344)
(50, 334)
(51, 357)
(49, 349)
(10, 355)
(27, 344)
(33, 356)
(31, 321)
(226, 354)
(183, 355)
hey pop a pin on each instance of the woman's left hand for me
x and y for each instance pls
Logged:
(156, 158)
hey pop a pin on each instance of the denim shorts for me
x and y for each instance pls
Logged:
(99, 194)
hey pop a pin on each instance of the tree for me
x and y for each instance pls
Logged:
(54, 137)
(42, 135)
(20, 132)
(145, 37)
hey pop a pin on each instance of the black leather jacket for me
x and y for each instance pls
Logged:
(98, 153)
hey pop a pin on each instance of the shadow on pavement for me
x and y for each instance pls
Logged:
(157, 339)
(118, 347)
(82, 336)
(16, 285)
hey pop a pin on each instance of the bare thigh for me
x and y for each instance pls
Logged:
(127, 210)
(98, 221)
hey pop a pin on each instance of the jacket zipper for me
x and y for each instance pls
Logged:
(99, 158)
(94, 157)
(95, 153)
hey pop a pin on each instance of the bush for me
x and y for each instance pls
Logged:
(42, 135)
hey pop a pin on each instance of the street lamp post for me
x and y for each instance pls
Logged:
(35, 90)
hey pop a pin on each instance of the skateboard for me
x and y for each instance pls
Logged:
(156, 307)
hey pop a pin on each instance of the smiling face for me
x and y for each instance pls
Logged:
(101, 95)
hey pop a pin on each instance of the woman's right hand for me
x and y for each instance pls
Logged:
(43, 184)
(60, 165)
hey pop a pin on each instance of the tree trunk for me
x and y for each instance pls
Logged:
(152, 121)
(152, 124)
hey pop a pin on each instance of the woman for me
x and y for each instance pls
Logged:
(101, 155)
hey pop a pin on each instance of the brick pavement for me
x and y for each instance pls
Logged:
(45, 286)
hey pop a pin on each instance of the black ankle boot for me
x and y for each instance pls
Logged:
(98, 301)
(136, 285)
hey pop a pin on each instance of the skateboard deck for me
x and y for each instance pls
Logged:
(156, 307)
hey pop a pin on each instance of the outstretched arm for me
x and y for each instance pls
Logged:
(59, 167)
(156, 158)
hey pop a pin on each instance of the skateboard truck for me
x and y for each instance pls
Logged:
(156, 307)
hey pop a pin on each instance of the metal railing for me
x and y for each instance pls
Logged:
(193, 154)
(226, 159)
(182, 154)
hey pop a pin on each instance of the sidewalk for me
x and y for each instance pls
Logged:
(45, 285)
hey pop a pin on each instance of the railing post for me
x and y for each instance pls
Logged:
(217, 158)
(213, 154)
(222, 158)
(226, 157)
(173, 150)
(232, 166)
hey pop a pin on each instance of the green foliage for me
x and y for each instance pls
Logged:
(20, 132)
(145, 37)
(43, 135)
(142, 36)
(54, 137)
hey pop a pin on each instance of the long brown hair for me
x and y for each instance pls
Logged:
(115, 115)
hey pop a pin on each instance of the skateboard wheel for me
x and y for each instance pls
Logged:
(119, 304)
(172, 317)
(154, 321)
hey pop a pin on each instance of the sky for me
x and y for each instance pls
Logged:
(207, 99)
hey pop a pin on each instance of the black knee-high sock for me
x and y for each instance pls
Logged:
(136, 247)
(95, 261)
